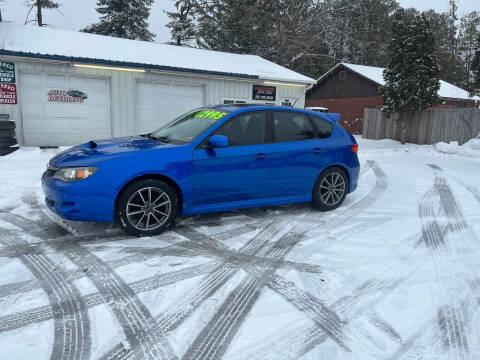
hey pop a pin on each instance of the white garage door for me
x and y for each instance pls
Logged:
(64, 110)
(157, 104)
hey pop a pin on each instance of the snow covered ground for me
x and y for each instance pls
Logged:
(392, 274)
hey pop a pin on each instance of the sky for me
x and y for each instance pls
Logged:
(77, 14)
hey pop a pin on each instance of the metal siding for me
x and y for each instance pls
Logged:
(123, 90)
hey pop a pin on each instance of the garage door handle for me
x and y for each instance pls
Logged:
(260, 156)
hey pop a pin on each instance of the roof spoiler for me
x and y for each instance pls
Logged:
(335, 117)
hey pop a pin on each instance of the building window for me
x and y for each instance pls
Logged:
(343, 75)
(229, 101)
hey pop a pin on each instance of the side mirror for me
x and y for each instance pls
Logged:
(218, 141)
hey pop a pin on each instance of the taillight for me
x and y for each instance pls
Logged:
(355, 148)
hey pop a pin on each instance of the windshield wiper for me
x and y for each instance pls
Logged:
(164, 139)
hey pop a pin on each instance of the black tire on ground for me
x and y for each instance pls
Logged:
(6, 142)
(4, 125)
(7, 133)
(328, 191)
(8, 150)
(135, 224)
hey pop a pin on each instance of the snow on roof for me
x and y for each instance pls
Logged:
(375, 74)
(34, 40)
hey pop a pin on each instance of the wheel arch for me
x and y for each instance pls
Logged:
(331, 166)
(164, 178)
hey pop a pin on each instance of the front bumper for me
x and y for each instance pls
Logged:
(84, 200)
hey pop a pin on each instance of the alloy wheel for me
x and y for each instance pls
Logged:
(148, 208)
(332, 188)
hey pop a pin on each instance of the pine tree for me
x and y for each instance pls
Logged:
(123, 18)
(39, 5)
(182, 22)
(469, 31)
(411, 81)
(476, 69)
(239, 26)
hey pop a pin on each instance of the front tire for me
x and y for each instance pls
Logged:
(330, 189)
(147, 207)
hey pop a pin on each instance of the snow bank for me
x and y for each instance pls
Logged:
(368, 147)
(469, 149)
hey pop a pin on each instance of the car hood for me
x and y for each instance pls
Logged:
(99, 150)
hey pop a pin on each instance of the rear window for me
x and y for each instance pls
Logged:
(292, 126)
(324, 128)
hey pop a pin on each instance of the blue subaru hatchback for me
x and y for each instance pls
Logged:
(211, 159)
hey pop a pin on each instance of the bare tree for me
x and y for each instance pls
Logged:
(39, 5)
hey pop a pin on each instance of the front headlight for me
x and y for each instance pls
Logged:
(74, 173)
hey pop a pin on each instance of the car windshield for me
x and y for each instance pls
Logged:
(187, 127)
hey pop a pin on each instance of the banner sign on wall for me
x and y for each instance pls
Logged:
(8, 94)
(66, 95)
(7, 72)
(261, 92)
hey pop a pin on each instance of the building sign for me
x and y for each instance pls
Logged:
(261, 92)
(8, 94)
(58, 95)
(7, 72)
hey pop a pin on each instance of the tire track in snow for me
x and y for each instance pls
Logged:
(145, 254)
(381, 184)
(210, 285)
(46, 230)
(300, 340)
(451, 318)
(71, 324)
(133, 316)
(214, 339)
(199, 242)
(44, 313)
(303, 339)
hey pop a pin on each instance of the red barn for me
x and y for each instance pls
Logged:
(349, 89)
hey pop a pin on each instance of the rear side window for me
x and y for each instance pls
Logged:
(292, 126)
(245, 129)
(323, 127)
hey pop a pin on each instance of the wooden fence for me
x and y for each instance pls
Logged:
(424, 127)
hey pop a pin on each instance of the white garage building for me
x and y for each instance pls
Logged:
(71, 87)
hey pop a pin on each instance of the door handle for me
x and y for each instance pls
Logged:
(317, 150)
(260, 156)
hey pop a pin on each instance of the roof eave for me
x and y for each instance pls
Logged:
(133, 65)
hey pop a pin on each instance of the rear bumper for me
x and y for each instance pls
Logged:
(84, 200)
(354, 173)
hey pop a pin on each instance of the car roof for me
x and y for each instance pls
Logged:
(238, 107)
(234, 107)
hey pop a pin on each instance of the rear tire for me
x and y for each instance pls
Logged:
(147, 207)
(330, 189)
